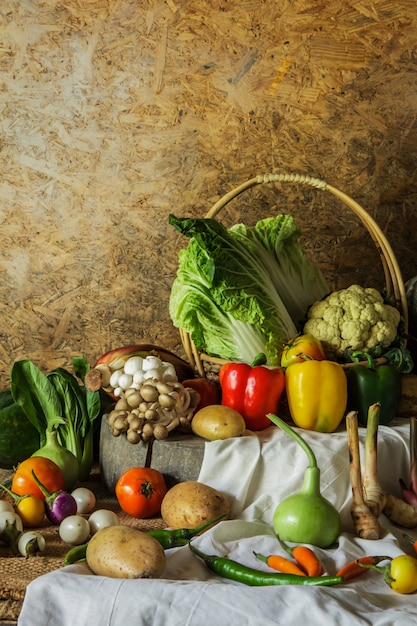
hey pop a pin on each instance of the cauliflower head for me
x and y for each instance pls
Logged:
(355, 318)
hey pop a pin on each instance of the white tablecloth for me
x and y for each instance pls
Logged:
(256, 471)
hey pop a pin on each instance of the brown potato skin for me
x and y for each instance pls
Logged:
(190, 503)
(125, 552)
(217, 422)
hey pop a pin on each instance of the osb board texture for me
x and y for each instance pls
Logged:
(115, 113)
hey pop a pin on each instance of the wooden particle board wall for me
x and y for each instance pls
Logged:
(115, 113)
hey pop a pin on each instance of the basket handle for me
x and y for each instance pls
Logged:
(393, 278)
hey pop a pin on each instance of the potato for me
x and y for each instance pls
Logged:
(125, 552)
(218, 422)
(190, 504)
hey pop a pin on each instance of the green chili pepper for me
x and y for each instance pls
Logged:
(76, 554)
(180, 536)
(167, 538)
(227, 568)
(368, 384)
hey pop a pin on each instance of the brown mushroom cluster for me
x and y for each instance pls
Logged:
(153, 410)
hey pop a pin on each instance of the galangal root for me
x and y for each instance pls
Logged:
(369, 500)
(366, 524)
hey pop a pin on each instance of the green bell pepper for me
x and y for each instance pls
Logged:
(368, 384)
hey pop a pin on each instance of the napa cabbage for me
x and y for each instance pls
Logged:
(243, 290)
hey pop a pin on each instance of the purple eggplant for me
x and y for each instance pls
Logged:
(58, 504)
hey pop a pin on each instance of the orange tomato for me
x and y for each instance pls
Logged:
(301, 348)
(48, 472)
(140, 491)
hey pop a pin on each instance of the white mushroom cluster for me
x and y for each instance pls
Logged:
(134, 371)
(152, 409)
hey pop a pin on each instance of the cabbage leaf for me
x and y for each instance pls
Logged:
(242, 291)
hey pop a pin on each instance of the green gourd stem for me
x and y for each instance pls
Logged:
(51, 433)
(53, 423)
(58, 453)
(311, 482)
(281, 424)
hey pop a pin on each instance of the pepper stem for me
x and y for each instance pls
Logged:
(260, 359)
(285, 546)
(10, 534)
(49, 496)
(16, 498)
(358, 355)
(191, 532)
(207, 558)
(291, 432)
(32, 547)
(385, 570)
(261, 557)
(409, 538)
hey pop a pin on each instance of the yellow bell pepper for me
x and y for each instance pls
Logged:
(316, 394)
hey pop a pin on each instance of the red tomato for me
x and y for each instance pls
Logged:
(140, 491)
(48, 472)
(208, 391)
(301, 348)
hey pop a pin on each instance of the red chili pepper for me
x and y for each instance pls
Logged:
(252, 390)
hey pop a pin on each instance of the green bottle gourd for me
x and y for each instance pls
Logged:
(306, 516)
(64, 458)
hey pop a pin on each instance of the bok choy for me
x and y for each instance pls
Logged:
(44, 397)
(242, 291)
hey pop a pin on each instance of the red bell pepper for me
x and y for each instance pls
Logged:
(252, 390)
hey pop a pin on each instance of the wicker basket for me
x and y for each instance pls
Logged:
(208, 366)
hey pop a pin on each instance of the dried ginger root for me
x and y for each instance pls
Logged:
(369, 499)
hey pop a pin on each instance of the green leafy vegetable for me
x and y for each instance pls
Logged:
(242, 291)
(32, 390)
(44, 397)
(274, 241)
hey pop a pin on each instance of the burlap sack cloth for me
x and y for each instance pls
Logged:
(17, 572)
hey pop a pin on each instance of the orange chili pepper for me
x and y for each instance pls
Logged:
(305, 558)
(353, 569)
(280, 563)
